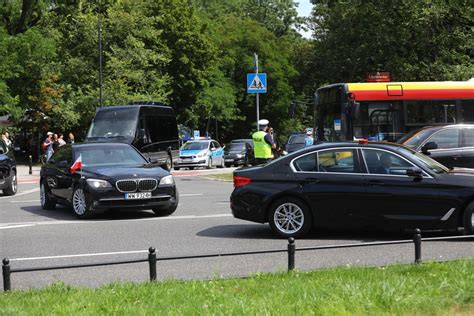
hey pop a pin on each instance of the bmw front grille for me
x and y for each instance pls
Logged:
(133, 185)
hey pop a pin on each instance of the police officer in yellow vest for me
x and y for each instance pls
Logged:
(262, 143)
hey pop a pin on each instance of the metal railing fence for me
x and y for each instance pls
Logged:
(7, 270)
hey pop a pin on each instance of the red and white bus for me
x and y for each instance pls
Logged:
(346, 111)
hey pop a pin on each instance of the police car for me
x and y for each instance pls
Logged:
(200, 153)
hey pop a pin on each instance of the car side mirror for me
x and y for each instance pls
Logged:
(213, 149)
(62, 164)
(414, 172)
(428, 146)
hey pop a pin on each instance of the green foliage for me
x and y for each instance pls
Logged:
(427, 289)
(413, 40)
(195, 54)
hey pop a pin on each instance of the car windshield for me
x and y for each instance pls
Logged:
(415, 138)
(109, 155)
(297, 139)
(236, 147)
(426, 161)
(195, 146)
(119, 123)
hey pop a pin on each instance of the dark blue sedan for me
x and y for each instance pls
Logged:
(354, 184)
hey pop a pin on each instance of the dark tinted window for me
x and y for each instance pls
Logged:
(307, 163)
(161, 128)
(237, 146)
(109, 155)
(382, 162)
(468, 111)
(64, 153)
(448, 138)
(469, 137)
(337, 160)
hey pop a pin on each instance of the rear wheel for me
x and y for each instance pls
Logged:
(79, 204)
(290, 217)
(11, 189)
(468, 219)
(222, 163)
(47, 202)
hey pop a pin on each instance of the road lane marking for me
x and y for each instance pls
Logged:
(169, 218)
(81, 255)
(22, 193)
(18, 226)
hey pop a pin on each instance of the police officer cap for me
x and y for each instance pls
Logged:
(263, 122)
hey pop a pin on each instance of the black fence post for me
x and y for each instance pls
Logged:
(6, 275)
(30, 164)
(417, 241)
(291, 253)
(152, 263)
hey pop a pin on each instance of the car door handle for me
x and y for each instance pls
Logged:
(314, 180)
(376, 182)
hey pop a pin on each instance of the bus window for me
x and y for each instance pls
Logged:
(423, 112)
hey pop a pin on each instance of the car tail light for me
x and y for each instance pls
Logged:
(241, 181)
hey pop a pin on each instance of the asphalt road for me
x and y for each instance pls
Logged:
(203, 224)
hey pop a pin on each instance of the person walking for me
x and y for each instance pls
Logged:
(262, 143)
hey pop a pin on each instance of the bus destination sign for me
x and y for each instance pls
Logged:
(378, 77)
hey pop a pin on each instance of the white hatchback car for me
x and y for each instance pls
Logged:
(200, 153)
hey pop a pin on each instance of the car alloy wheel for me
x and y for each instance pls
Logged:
(290, 217)
(11, 190)
(79, 203)
(468, 219)
(47, 203)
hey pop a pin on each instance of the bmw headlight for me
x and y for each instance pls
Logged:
(239, 156)
(96, 183)
(168, 180)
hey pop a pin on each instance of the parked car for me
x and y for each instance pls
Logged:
(451, 145)
(200, 153)
(295, 142)
(149, 126)
(113, 176)
(238, 154)
(243, 140)
(351, 184)
(8, 174)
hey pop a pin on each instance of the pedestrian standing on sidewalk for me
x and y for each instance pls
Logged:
(48, 145)
(61, 140)
(262, 143)
(71, 138)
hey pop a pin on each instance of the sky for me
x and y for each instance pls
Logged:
(304, 9)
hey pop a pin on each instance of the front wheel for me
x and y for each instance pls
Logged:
(468, 219)
(12, 188)
(47, 202)
(79, 204)
(290, 217)
(168, 163)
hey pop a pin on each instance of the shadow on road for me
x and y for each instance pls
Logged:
(66, 213)
(259, 231)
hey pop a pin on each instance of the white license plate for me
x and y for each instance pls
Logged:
(138, 195)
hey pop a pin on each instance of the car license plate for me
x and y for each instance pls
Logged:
(229, 159)
(137, 196)
(187, 159)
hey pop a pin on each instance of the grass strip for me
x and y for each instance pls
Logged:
(220, 176)
(427, 289)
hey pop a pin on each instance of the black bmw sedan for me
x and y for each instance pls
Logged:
(354, 184)
(93, 177)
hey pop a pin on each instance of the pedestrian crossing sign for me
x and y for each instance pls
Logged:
(257, 83)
